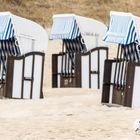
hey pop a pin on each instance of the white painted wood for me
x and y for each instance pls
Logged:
(27, 74)
(110, 94)
(94, 61)
(27, 31)
(27, 43)
(113, 72)
(28, 66)
(58, 81)
(112, 81)
(94, 67)
(102, 62)
(26, 90)
(17, 79)
(37, 77)
(136, 88)
(94, 81)
(92, 31)
(59, 61)
(85, 71)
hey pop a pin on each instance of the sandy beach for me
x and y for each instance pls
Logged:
(65, 114)
(68, 113)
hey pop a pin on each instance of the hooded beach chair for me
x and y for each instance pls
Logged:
(80, 64)
(22, 47)
(121, 75)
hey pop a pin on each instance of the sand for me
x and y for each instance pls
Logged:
(65, 114)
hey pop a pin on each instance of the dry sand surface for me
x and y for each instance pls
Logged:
(65, 114)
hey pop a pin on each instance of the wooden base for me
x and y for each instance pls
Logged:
(118, 96)
(68, 82)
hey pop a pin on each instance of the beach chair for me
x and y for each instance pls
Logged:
(81, 61)
(22, 47)
(121, 75)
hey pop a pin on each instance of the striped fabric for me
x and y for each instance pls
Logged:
(7, 48)
(71, 48)
(122, 29)
(64, 28)
(6, 27)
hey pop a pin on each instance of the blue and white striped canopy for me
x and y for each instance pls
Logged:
(64, 27)
(122, 29)
(6, 27)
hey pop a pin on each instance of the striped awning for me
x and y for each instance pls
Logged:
(122, 29)
(64, 27)
(6, 27)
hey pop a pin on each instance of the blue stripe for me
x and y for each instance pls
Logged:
(6, 28)
(12, 34)
(135, 36)
(10, 31)
(7, 33)
(70, 35)
(129, 33)
(78, 34)
(77, 30)
(74, 30)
